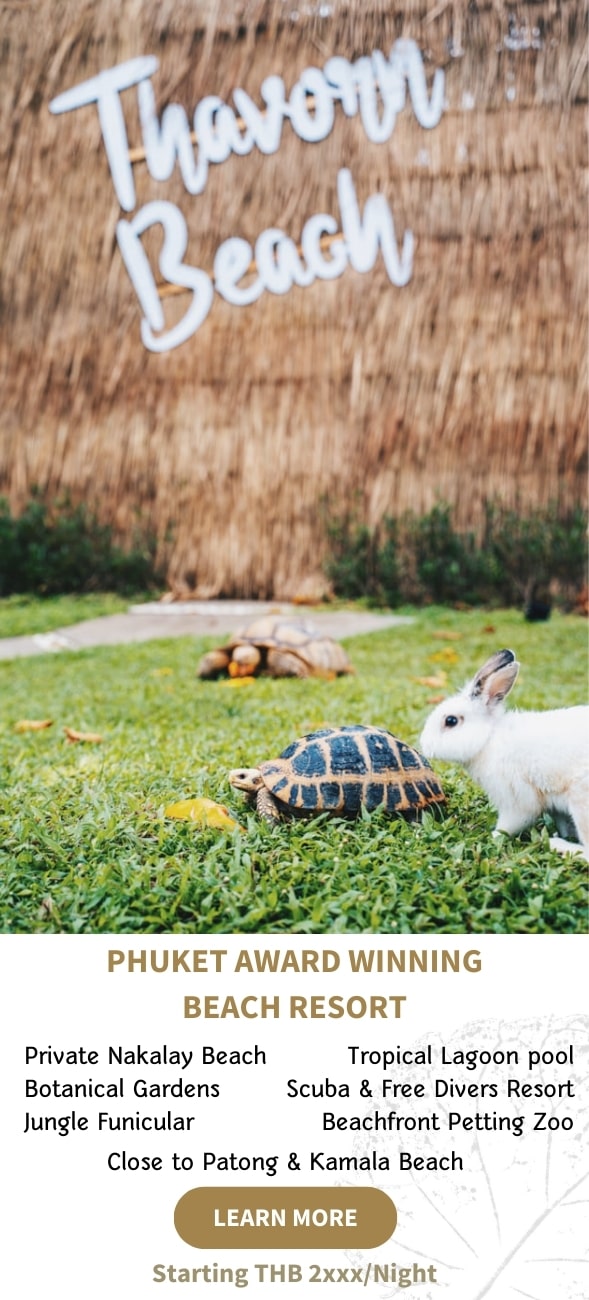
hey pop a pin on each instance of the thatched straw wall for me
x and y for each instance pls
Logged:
(469, 382)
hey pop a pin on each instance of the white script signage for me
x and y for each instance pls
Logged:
(374, 88)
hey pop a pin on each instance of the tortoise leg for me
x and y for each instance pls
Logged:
(267, 806)
(213, 664)
(283, 663)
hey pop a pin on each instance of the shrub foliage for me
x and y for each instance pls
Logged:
(424, 559)
(64, 549)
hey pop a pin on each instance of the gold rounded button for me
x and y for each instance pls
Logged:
(322, 1218)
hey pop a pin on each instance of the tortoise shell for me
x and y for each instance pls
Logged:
(318, 655)
(342, 769)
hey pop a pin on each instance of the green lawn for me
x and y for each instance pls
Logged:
(85, 846)
(28, 615)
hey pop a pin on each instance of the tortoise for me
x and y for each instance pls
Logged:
(278, 646)
(341, 770)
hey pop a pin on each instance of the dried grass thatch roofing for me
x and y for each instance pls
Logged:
(469, 383)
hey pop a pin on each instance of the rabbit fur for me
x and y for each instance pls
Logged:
(527, 763)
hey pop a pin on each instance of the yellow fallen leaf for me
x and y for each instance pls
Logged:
(33, 724)
(435, 699)
(205, 812)
(239, 681)
(445, 656)
(440, 680)
(90, 737)
(447, 636)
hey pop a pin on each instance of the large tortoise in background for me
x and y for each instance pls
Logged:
(341, 770)
(280, 647)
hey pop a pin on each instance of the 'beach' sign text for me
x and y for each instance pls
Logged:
(373, 88)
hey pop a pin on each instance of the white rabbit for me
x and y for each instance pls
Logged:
(527, 763)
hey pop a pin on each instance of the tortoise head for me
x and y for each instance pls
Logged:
(245, 660)
(249, 779)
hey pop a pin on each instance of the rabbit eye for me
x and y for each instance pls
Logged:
(451, 720)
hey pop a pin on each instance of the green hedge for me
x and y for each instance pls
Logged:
(425, 559)
(64, 549)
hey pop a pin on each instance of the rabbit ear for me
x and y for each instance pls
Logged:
(496, 677)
